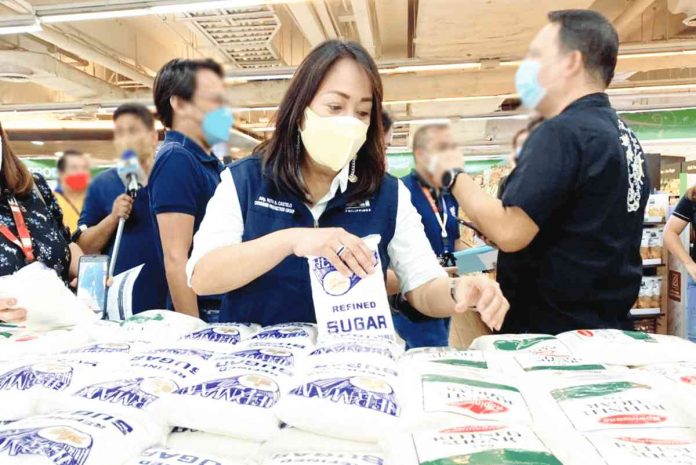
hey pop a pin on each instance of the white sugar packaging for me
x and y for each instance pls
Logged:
(76, 438)
(514, 344)
(170, 456)
(202, 443)
(219, 336)
(174, 363)
(475, 443)
(324, 458)
(351, 306)
(364, 397)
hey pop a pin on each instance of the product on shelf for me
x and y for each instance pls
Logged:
(651, 244)
(656, 208)
(650, 293)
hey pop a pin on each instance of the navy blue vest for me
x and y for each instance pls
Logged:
(284, 294)
(430, 223)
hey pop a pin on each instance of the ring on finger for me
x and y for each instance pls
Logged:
(341, 250)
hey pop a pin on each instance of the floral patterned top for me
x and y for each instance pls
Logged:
(50, 237)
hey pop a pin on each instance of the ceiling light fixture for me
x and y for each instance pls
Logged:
(38, 142)
(424, 121)
(263, 129)
(21, 26)
(163, 8)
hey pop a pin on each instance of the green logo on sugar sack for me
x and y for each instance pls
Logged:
(566, 368)
(467, 382)
(520, 344)
(143, 319)
(595, 390)
(640, 336)
(462, 363)
(498, 457)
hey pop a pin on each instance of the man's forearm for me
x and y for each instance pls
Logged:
(676, 248)
(183, 297)
(94, 239)
(509, 228)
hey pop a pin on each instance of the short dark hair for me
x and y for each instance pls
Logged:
(138, 110)
(178, 78)
(63, 160)
(281, 158)
(387, 121)
(593, 36)
(420, 138)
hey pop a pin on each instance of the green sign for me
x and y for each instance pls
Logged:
(46, 167)
(669, 124)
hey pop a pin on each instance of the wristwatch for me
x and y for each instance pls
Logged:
(450, 177)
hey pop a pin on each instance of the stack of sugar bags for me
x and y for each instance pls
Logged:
(77, 438)
(352, 379)
(628, 348)
(233, 399)
(149, 327)
(324, 458)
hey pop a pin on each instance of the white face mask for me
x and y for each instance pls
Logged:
(433, 162)
(332, 141)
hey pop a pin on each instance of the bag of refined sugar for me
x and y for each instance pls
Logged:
(200, 442)
(652, 446)
(435, 399)
(295, 440)
(23, 387)
(158, 326)
(679, 380)
(324, 458)
(179, 456)
(76, 438)
(49, 303)
(121, 396)
(27, 345)
(116, 353)
(238, 402)
(364, 398)
(513, 344)
(297, 333)
(435, 358)
(351, 306)
(373, 352)
(628, 348)
(622, 400)
(175, 363)
(220, 336)
(470, 443)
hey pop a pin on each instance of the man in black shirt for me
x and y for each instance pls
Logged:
(575, 202)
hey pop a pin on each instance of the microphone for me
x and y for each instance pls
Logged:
(130, 172)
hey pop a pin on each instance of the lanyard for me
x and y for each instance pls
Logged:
(442, 220)
(24, 240)
(72, 205)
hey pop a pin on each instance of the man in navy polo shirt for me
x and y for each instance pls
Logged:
(191, 103)
(438, 211)
(106, 203)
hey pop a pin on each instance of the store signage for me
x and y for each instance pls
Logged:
(689, 167)
(675, 288)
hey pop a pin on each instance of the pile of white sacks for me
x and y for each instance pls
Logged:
(165, 389)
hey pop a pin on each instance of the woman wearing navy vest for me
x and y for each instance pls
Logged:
(315, 188)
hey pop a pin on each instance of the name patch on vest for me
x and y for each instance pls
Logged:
(359, 207)
(275, 205)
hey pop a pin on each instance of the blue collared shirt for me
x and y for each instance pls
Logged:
(183, 180)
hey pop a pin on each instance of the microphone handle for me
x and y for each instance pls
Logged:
(117, 245)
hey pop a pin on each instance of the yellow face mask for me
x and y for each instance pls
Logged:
(332, 141)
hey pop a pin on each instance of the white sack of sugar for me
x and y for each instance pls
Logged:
(296, 333)
(219, 336)
(351, 306)
(371, 351)
(175, 363)
(436, 359)
(324, 458)
(23, 387)
(469, 443)
(628, 348)
(610, 401)
(151, 326)
(364, 397)
(650, 446)
(437, 398)
(295, 440)
(76, 438)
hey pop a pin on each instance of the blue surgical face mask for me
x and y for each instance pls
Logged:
(217, 125)
(527, 84)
